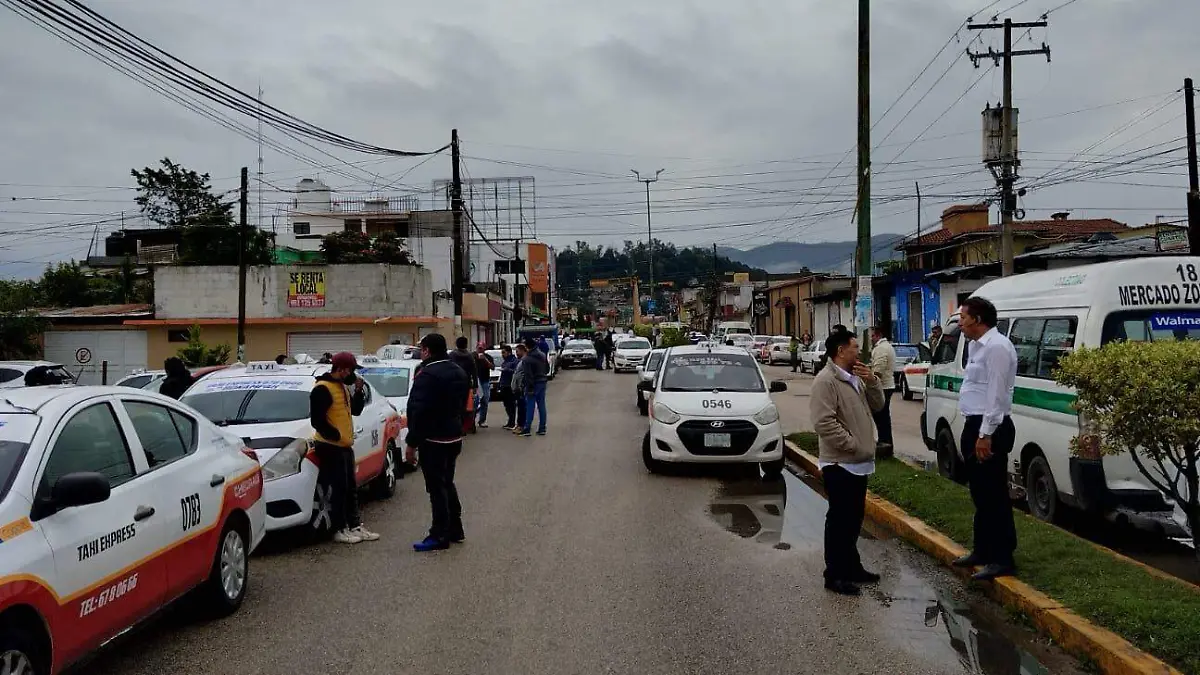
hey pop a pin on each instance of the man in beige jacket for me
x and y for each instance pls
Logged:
(843, 397)
(883, 364)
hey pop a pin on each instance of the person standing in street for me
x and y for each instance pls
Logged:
(985, 402)
(332, 409)
(935, 338)
(483, 374)
(844, 394)
(794, 353)
(520, 386)
(537, 370)
(178, 378)
(508, 368)
(543, 346)
(610, 348)
(466, 360)
(435, 430)
(601, 351)
(883, 364)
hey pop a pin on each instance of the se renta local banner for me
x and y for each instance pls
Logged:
(539, 268)
(306, 289)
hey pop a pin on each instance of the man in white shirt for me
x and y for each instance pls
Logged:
(883, 364)
(987, 438)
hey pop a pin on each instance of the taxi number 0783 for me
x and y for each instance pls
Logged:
(717, 403)
(189, 508)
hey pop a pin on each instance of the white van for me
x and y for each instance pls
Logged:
(727, 328)
(1046, 315)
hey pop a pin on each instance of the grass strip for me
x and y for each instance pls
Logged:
(1159, 616)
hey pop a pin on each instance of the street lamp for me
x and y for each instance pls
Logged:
(649, 234)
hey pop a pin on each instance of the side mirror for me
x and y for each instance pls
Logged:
(74, 489)
(778, 386)
(641, 369)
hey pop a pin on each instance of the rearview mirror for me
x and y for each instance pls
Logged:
(74, 489)
(641, 369)
(778, 386)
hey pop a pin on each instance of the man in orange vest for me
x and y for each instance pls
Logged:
(332, 409)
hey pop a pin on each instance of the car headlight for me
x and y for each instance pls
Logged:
(768, 415)
(664, 414)
(287, 461)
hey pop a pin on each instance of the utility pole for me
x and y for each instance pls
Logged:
(1008, 161)
(243, 201)
(1193, 198)
(456, 205)
(714, 291)
(918, 184)
(259, 220)
(649, 233)
(862, 263)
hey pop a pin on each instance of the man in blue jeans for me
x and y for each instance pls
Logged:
(536, 369)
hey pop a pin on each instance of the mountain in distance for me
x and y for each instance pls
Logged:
(791, 256)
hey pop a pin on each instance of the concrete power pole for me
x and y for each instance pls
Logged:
(1193, 198)
(457, 261)
(1008, 160)
(243, 200)
(862, 261)
(649, 232)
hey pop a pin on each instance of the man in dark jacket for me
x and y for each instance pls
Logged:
(465, 360)
(508, 368)
(332, 409)
(178, 378)
(483, 375)
(435, 430)
(609, 349)
(538, 371)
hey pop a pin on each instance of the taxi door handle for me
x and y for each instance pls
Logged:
(358, 431)
(216, 480)
(143, 512)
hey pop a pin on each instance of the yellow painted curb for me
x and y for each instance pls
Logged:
(1112, 653)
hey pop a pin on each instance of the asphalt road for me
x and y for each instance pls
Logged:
(578, 561)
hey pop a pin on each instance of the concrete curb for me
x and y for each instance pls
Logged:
(1112, 653)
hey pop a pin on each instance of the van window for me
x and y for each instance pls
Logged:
(1058, 338)
(947, 347)
(1040, 343)
(1026, 337)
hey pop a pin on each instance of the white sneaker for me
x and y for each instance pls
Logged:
(364, 534)
(483, 425)
(347, 537)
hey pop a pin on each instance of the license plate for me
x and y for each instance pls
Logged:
(717, 441)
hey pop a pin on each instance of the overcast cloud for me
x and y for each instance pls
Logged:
(717, 93)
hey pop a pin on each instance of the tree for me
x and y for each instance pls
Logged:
(174, 196)
(198, 355)
(1143, 395)
(344, 248)
(218, 245)
(18, 335)
(65, 285)
(675, 337)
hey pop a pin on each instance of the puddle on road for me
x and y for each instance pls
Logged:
(920, 616)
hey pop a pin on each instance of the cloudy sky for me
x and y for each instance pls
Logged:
(748, 106)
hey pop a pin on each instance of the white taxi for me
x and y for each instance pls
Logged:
(267, 405)
(114, 502)
(392, 380)
(630, 353)
(710, 404)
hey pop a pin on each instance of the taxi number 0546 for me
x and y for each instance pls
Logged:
(717, 403)
(189, 508)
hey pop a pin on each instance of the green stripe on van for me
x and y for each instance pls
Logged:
(1041, 399)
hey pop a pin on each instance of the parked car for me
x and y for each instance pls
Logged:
(743, 341)
(810, 359)
(12, 373)
(645, 381)
(775, 350)
(578, 353)
(906, 354)
(913, 373)
(398, 352)
(151, 380)
(630, 353)
(83, 473)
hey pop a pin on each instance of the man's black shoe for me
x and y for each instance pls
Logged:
(865, 577)
(968, 560)
(842, 587)
(457, 538)
(993, 570)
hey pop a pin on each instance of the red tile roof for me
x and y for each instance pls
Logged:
(1054, 229)
(96, 311)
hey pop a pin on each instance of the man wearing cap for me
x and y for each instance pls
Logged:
(332, 409)
(435, 430)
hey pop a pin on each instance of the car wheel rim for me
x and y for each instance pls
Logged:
(323, 507)
(13, 662)
(389, 466)
(233, 565)
(1041, 492)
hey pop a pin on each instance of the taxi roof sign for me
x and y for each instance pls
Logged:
(263, 367)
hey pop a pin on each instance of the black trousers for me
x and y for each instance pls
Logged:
(510, 405)
(438, 461)
(847, 496)
(883, 417)
(337, 475)
(995, 532)
(795, 360)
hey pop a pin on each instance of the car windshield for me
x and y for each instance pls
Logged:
(579, 344)
(761, 338)
(740, 338)
(712, 372)
(1151, 326)
(15, 433)
(237, 403)
(390, 382)
(136, 382)
(634, 343)
(780, 340)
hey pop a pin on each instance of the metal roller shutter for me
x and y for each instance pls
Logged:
(316, 344)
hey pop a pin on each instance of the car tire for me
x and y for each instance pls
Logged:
(652, 465)
(222, 593)
(1041, 492)
(904, 390)
(320, 522)
(22, 649)
(384, 485)
(949, 463)
(772, 470)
